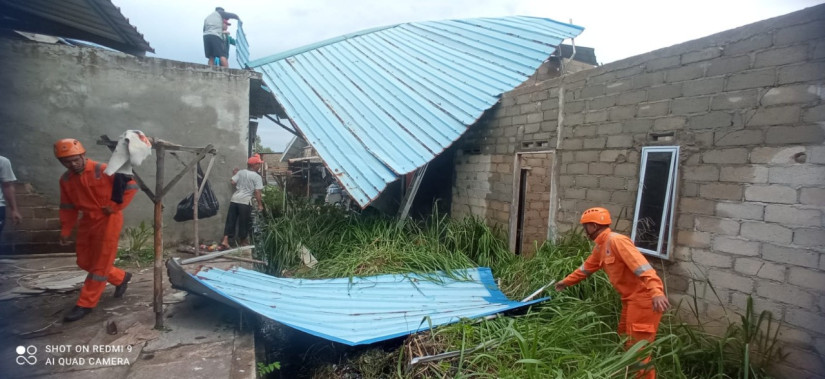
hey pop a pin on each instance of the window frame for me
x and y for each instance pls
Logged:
(665, 234)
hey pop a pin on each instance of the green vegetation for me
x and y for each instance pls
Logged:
(572, 336)
(139, 247)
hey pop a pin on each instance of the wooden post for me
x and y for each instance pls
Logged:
(197, 195)
(158, 299)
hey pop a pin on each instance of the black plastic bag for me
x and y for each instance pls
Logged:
(207, 203)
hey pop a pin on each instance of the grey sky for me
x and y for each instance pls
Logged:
(616, 29)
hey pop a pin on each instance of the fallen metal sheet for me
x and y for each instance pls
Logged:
(358, 310)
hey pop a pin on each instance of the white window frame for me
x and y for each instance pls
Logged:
(666, 219)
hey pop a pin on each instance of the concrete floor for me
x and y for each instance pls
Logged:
(200, 338)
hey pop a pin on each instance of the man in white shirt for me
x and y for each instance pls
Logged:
(7, 197)
(213, 41)
(247, 184)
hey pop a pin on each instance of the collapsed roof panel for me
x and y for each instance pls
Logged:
(97, 21)
(381, 103)
(358, 310)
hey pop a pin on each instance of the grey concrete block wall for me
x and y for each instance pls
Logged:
(746, 108)
(57, 91)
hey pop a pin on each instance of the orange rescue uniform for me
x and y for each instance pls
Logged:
(633, 278)
(97, 232)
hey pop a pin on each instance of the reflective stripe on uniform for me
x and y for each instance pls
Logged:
(584, 271)
(132, 186)
(97, 278)
(639, 270)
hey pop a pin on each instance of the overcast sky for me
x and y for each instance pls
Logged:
(616, 29)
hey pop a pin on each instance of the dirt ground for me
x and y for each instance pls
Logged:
(199, 338)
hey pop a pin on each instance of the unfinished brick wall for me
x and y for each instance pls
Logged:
(746, 108)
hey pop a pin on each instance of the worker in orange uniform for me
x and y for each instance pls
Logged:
(85, 188)
(643, 297)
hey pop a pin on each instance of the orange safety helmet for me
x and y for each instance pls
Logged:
(596, 215)
(68, 147)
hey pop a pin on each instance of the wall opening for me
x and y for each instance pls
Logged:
(530, 207)
(653, 217)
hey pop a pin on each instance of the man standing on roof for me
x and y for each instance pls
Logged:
(643, 298)
(7, 196)
(247, 184)
(86, 188)
(213, 42)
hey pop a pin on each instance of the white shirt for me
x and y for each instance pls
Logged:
(6, 175)
(246, 182)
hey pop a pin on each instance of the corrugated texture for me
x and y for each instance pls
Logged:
(360, 310)
(380, 103)
(97, 21)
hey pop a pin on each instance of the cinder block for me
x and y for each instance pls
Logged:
(750, 44)
(626, 169)
(696, 205)
(595, 143)
(764, 77)
(587, 181)
(662, 63)
(799, 175)
(712, 120)
(728, 65)
(664, 92)
(807, 134)
(598, 196)
(773, 193)
(595, 116)
(736, 246)
(726, 279)
(740, 211)
(619, 141)
(613, 182)
(631, 97)
(781, 56)
(669, 123)
(783, 293)
(810, 237)
(798, 33)
(648, 80)
(620, 113)
(771, 233)
(618, 86)
(807, 278)
(703, 86)
(590, 91)
(721, 191)
(812, 196)
(734, 100)
(718, 226)
(740, 138)
(701, 173)
(783, 155)
(803, 318)
(693, 239)
(790, 255)
(814, 114)
(775, 116)
(690, 105)
(747, 266)
(708, 259)
(791, 94)
(659, 108)
(689, 72)
(816, 154)
(799, 73)
(600, 169)
(744, 174)
(772, 271)
(602, 102)
(793, 215)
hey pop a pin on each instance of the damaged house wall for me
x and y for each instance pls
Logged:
(745, 107)
(57, 91)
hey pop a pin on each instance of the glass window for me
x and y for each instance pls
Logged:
(653, 217)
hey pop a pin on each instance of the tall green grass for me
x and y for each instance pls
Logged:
(571, 336)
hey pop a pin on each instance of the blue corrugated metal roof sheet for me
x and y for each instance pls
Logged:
(380, 103)
(362, 310)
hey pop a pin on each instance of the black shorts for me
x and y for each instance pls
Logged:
(213, 46)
